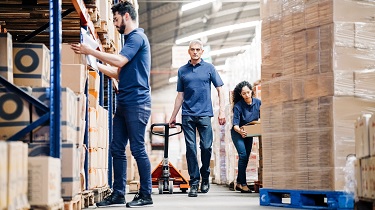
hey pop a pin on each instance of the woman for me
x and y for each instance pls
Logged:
(246, 109)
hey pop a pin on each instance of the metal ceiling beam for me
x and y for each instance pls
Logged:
(170, 26)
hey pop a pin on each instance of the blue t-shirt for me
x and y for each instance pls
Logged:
(195, 83)
(134, 86)
(244, 113)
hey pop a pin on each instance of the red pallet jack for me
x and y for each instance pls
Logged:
(165, 176)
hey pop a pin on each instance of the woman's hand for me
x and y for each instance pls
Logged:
(242, 132)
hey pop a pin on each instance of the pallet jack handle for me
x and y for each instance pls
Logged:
(165, 134)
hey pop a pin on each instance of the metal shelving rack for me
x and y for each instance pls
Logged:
(87, 24)
(53, 112)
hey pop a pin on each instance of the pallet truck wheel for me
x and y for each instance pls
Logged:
(160, 186)
(170, 187)
(184, 190)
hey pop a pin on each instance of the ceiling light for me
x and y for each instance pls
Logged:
(228, 50)
(218, 30)
(195, 4)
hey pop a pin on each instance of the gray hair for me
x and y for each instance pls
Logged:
(196, 42)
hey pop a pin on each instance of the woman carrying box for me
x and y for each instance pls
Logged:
(246, 109)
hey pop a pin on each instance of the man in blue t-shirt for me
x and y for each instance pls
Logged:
(132, 68)
(194, 95)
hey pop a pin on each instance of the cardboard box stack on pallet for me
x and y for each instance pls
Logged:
(315, 56)
(365, 154)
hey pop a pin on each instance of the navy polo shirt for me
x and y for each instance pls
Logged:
(134, 88)
(195, 83)
(244, 113)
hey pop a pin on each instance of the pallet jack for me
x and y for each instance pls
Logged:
(165, 176)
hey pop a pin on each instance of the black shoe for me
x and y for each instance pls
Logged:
(238, 188)
(193, 191)
(112, 200)
(205, 186)
(140, 200)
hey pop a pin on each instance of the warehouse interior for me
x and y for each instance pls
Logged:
(311, 63)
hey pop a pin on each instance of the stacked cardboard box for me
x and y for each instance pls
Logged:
(6, 56)
(13, 175)
(312, 51)
(365, 154)
(98, 147)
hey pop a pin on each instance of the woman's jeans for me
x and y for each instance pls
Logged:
(243, 147)
(129, 124)
(203, 124)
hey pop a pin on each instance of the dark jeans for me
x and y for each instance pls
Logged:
(243, 147)
(129, 124)
(203, 124)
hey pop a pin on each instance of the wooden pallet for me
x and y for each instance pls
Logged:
(100, 193)
(306, 199)
(87, 198)
(74, 204)
(59, 205)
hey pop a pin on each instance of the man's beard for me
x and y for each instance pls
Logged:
(121, 29)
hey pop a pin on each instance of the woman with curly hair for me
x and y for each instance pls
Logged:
(246, 109)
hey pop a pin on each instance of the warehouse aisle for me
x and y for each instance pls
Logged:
(219, 198)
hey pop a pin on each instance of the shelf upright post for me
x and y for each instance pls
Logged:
(55, 89)
(110, 129)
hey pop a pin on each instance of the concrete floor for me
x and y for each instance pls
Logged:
(219, 198)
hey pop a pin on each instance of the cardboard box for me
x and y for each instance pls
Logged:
(74, 77)
(14, 114)
(253, 129)
(69, 119)
(31, 65)
(94, 81)
(3, 174)
(93, 99)
(358, 177)
(362, 142)
(6, 56)
(68, 56)
(14, 174)
(44, 180)
(372, 135)
(70, 172)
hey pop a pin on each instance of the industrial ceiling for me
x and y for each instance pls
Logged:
(163, 21)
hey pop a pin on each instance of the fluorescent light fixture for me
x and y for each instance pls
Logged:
(195, 4)
(218, 30)
(228, 50)
(173, 79)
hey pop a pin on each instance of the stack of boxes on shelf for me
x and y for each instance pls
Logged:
(103, 22)
(315, 56)
(365, 154)
(98, 147)
(31, 71)
(13, 175)
(23, 175)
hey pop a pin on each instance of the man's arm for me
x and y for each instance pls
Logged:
(221, 116)
(110, 71)
(112, 59)
(177, 105)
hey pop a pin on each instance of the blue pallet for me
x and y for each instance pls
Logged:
(307, 199)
